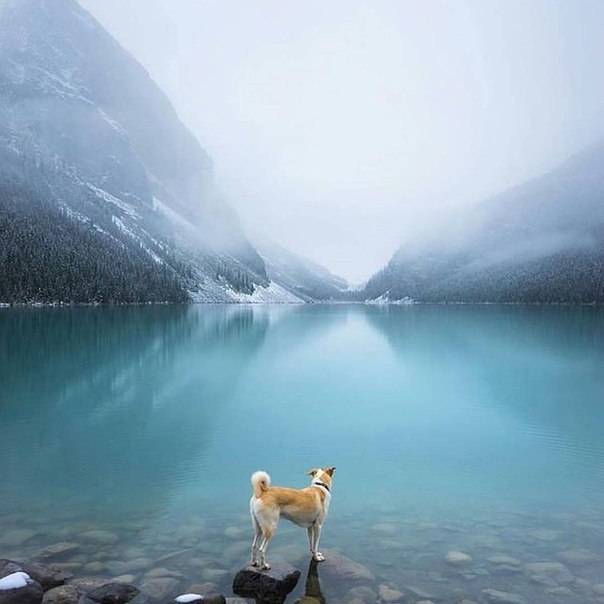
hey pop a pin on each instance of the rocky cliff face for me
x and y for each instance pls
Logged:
(100, 179)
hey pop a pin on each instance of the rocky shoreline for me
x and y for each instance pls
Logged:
(515, 557)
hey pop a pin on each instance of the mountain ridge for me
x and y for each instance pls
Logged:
(86, 131)
(539, 242)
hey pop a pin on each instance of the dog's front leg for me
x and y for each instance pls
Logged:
(311, 539)
(316, 533)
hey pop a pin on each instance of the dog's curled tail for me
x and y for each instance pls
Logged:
(260, 482)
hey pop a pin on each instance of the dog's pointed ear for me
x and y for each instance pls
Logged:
(312, 472)
(330, 471)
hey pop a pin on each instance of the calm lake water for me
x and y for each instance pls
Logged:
(472, 429)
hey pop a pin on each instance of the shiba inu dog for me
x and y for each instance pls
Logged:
(305, 507)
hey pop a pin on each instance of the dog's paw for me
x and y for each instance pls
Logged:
(266, 566)
(319, 557)
(255, 563)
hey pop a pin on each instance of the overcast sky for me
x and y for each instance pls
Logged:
(341, 128)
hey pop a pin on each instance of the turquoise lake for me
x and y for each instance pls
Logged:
(471, 429)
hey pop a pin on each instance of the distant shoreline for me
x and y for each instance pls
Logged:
(9, 305)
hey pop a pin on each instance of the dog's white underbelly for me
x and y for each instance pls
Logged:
(298, 518)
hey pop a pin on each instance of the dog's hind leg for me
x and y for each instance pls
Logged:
(267, 534)
(257, 535)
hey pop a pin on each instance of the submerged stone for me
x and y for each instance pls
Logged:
(270, 586)
(163, 572)
(339, 567)
(59, 550)
(160, 589)
(559, 591)
(458, 558)
(494, 596)
(18, 537)
(540, 568)
(99, 537)
(387, 594)
(362, 593)
(419, 592)
(503, 560)
(578, 557)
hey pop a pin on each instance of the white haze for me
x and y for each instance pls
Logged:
(342, 129)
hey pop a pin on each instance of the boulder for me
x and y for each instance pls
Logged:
(114, 593)
(8, 567)
(63, 594)
(19, 588)
(211, 599)
(269, 587)
(47, 576)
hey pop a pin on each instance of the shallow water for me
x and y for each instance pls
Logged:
(477, 429)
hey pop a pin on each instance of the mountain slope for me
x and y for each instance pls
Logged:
(85, 132)
(542, 242)
(304, 278)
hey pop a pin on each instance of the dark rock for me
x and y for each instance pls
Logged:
(270, 587)
(8, 567)
(214, 599)
(114, 593)
(195, 598)
(63, 594)
(30, 593)
(47, 576)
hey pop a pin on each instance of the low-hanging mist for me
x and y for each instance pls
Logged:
(343, 129)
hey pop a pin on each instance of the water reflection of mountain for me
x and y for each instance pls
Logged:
(121, 399)
(540, 365)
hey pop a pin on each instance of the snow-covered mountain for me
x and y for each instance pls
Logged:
(540, 242)
(104, 194)
(302, 277)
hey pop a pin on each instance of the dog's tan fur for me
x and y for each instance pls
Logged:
(305, 507)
